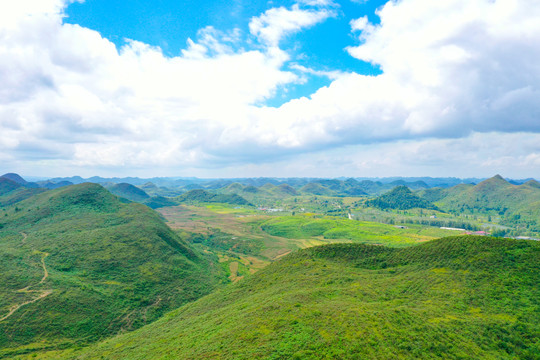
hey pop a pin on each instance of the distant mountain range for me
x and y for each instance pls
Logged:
(517, 202)
(193, 183)
(175, 186)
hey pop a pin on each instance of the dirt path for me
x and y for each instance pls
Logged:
(43, 293)
(39, 294)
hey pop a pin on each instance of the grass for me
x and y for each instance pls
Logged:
(112, 267)
(453, 298)
(258, 238)
(331, 228)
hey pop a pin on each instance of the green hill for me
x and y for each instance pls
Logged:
(401, 198)
(129, 192)
(284, 190)
(15, 178)
(8, 185)
(149, 187)
(18, 194)
(234, 188)
(314, 188)
(248, 192)
(265, 193)
(77, 265)
(518, 205)
(533, 184)
(452, 298)
(202, 196)
(333, 187)
(19, 180)
(51, 185)
(156, 202)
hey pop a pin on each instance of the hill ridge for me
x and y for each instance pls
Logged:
(353, 301)
(113, 266)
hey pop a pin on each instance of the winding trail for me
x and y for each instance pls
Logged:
(40, 293)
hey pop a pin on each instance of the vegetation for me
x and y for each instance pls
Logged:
(129, 192)
(349, 187)
(8, 185)
(517, 206)
(343, 229)
(255, 238)
(400, 198)
(156, 202)
(77, 265)
(202, 196)
(453, 298)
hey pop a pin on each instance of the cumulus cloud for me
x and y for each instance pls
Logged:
(471, 63)
(452, 71)
(449, 68)
(64, 83)
(276, 23)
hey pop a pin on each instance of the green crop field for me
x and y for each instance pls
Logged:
(255, 238)
(331, 228)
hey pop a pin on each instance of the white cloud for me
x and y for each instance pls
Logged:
(362, 24)
(453, 70)
(450, 68)
(323, 3)
(333, 74)
(276, 23)
(64, 83)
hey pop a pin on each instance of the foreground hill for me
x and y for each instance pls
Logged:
(76, 265)
(462, 297)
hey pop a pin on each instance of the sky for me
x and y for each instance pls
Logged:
(314, 88)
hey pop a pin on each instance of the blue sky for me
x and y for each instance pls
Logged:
(270, 88)
(169, 24)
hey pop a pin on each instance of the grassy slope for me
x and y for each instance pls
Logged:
(19, 194)
(112, 266)
(7, 185)
(453, 298)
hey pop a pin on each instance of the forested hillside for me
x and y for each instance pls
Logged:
(516, 205)
(77, 265)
